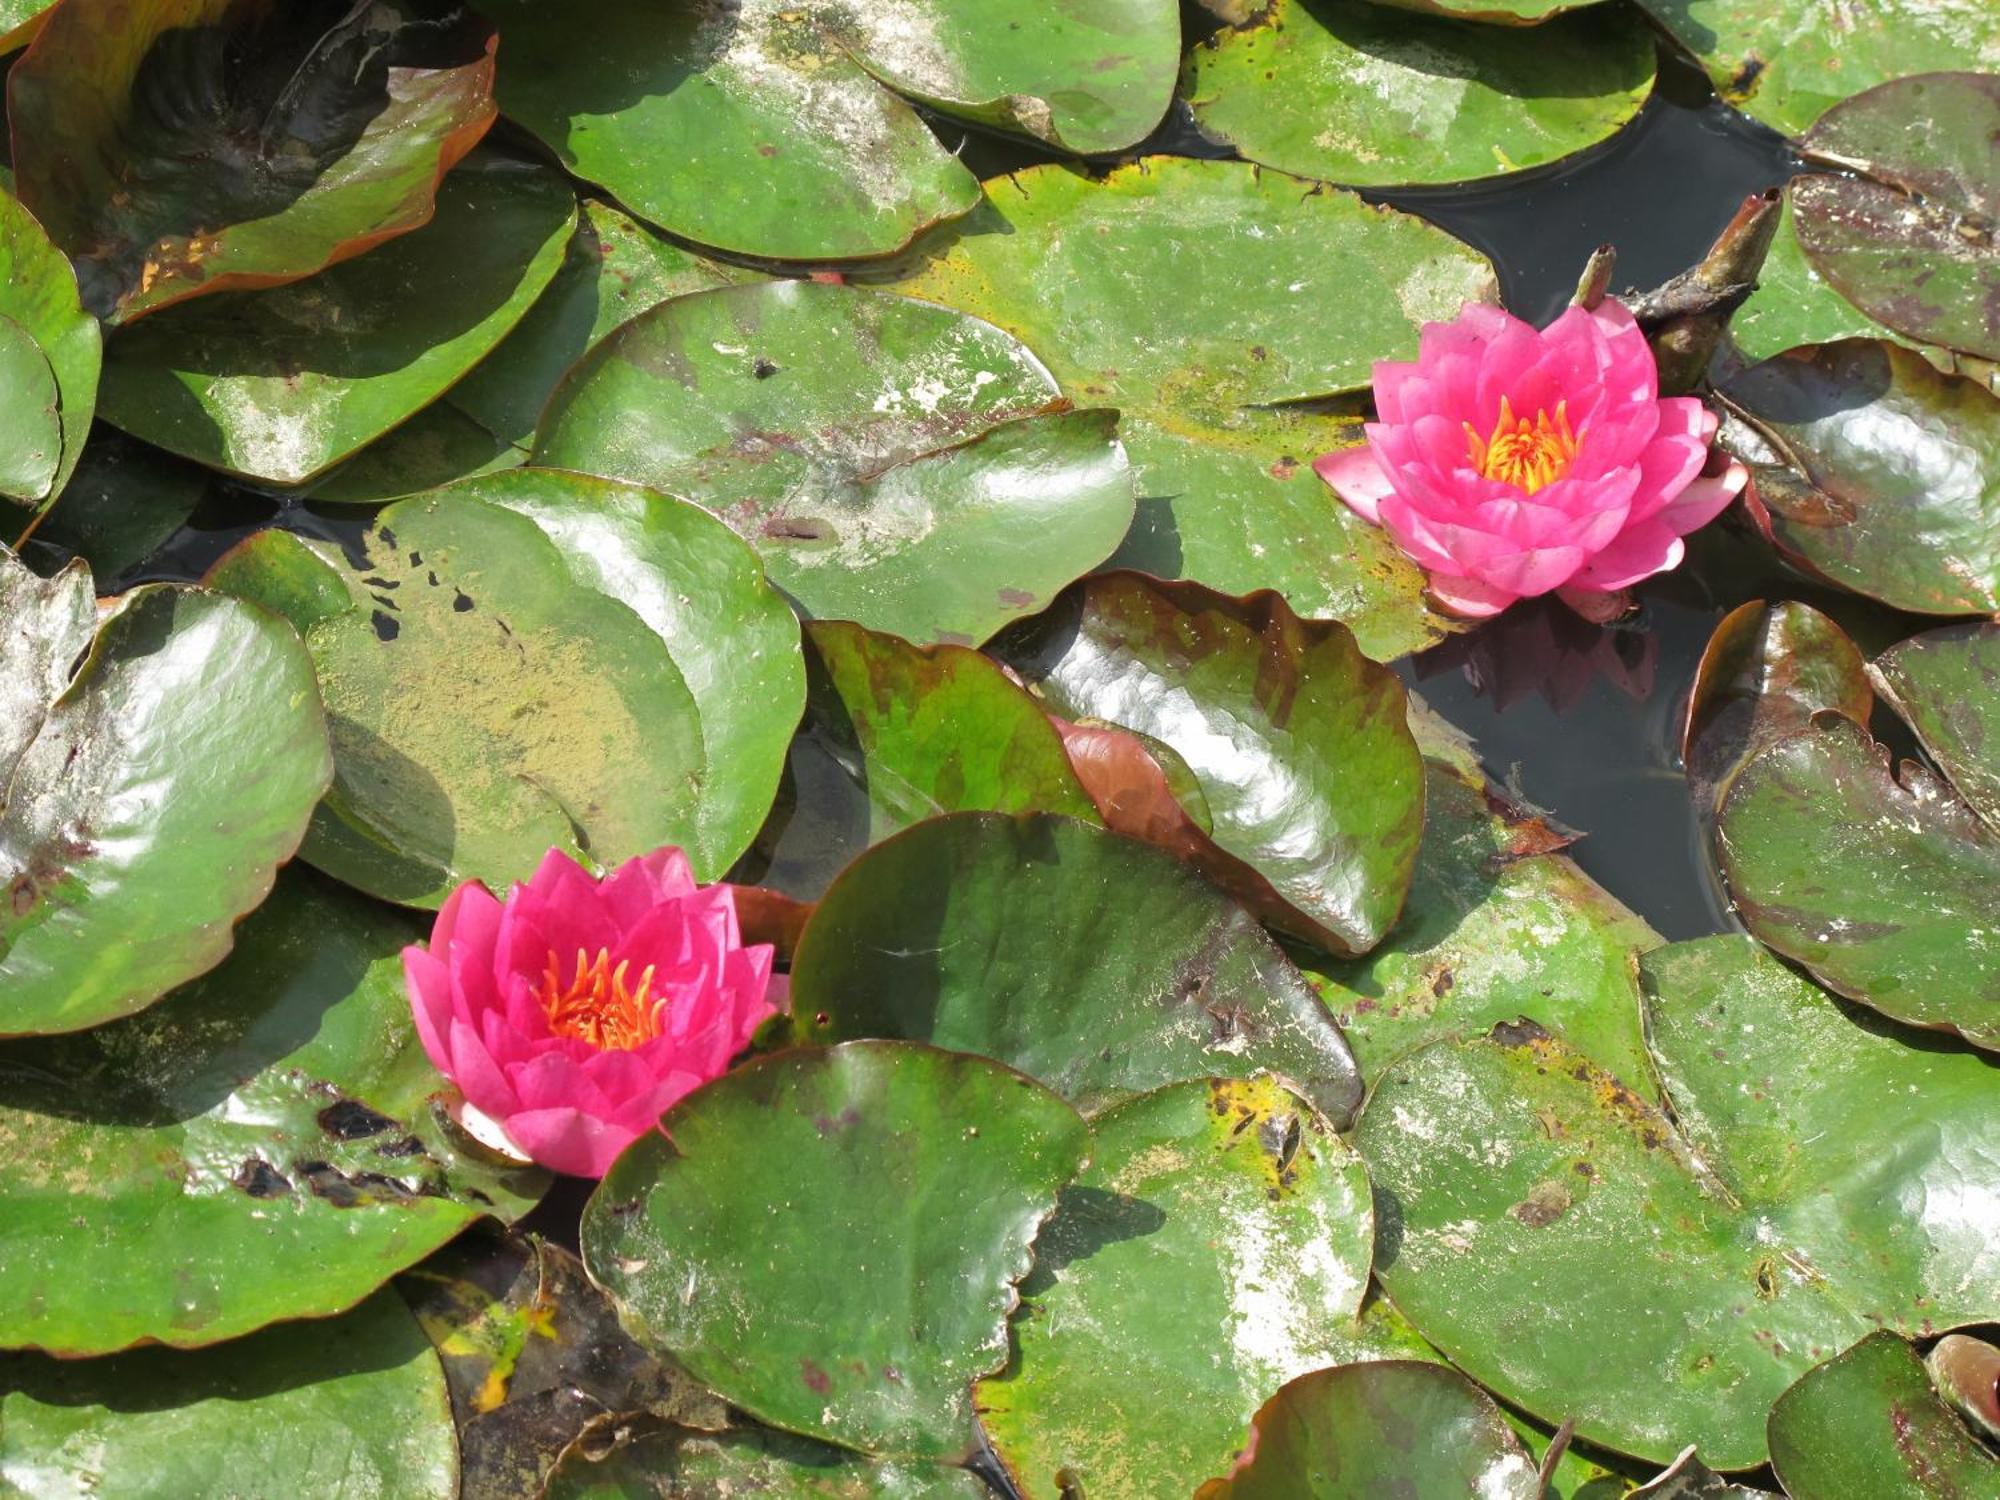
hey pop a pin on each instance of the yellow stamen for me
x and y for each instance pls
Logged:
(1524, 453)
(597, 1007)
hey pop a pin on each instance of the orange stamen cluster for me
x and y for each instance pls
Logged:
(1524, 453)
(597, 1007)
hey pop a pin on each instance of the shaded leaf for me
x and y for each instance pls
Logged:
(1688, 1478)
(260, 1146)
(1216, 1247)
(1946, 685)
(1090, 962)
(125, 500)
(750, 1461)
(195, 146)
(1252, 698)
(1359, 1431)
(912, 1183)
(893, 462)
(1371, 95)
(359, 1404)
(144, 806)
(280, 385)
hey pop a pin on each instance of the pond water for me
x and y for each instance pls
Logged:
(1579, 720)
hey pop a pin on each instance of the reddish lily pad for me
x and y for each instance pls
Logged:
(1946, 685)
(1252, 697)
(911, 1183)
(168, 166)
(1877, 472)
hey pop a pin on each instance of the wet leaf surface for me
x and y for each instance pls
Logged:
(1946, 685)
(1097, 965)
(902, 1186)
(200, 145)
(889, 460)
(169, 1177)
(751, 1461)
(144, 806)
(1299, 743)
(1909, 238)
(894, 734)
(1359, 1431)
(1662, 1280)
(1786, 62)
(39, 295)
(31, 440)
(279, 385)
(535, 660)
(1216, 1247)
(360, 1401)
(1869, 1423)
(1877, 472)
(1369, 96)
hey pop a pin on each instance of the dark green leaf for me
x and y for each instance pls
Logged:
(749, 1462)
(1946, 685)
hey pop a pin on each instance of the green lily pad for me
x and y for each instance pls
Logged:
(31, 439)
(749, 1462)
(536, 1361)
(613, 270)
(1356, 1432)
(894, 734)
(1073, 265)
(911, 1182)
(1887, 888)
(1373, 96)
(1946, 685)
(125, 499)
(1867, 1422)
(281, 384)
(1877, 472)
(1216, 1248)
(893, 463)
(169, 167)
(259, 1147)
(357, 1409)
(1497, 925)
(1766, 671)
(440, 445)
(1908, 238)
(533, 660)
(1663, 1279)
(145, 808)
(1251, 696)
(38, 292)
(1786, 62)
(1098, 965)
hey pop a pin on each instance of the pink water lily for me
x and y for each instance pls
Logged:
(572, 1014)
(1511, 461)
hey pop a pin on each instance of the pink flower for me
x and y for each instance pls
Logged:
(1510, 461)
(575, 1012)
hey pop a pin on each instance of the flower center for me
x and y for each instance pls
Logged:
(1524, 453)
(597, 1007)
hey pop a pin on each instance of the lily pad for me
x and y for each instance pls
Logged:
(1786, 62)
(1663, 1279)
(533, 660)
(260, 1147)
(1793, 304)
(1356, 1432)
(1946, 685)
(31, 440)
(894, 463)
(359, 1404)
(1073, 265)
(1498, 12)
(1908, 237)
(1373, 96)
(749, 1462)
(1093, 963)
(894, 734)
(1216, 1248)
(1867, 1422)
(38, 292)
(281, 384)
(1887, 888)
(911, 1182)
(1877, 472)
(200, 145)
(125, 499)
(764, 128)
(1250, 696)
(143, 808)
